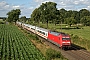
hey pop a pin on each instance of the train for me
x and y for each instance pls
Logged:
(58, 38)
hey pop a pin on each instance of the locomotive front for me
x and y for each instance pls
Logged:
(66, 40)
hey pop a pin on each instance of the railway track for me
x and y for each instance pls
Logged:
(81, 54)
(75, 53)
(78, 55)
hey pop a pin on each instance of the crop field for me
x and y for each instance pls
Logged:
(14, 45)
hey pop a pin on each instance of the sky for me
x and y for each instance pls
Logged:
(28, 6)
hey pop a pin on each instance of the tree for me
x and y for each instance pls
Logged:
(62, 13)
(46, 12)
(57, 19)
(35, 16)
(23, 19)
(85, 20)
(68, 14)
(70, 21)
(13, 15)
(76, 16)
(84, 12)
(49, 11)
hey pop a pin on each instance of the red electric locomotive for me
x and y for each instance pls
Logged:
(60, 39)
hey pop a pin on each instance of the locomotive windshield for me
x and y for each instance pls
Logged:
(65, 38)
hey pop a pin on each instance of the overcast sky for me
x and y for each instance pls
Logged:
(27, 6)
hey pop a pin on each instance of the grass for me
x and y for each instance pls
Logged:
(83, 39)
(83, 33)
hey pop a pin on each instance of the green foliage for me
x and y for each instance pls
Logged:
(75, 38)
(85, 20)
(23, 19)
(14, 45)
(81, 41)
(13, 15)
(36, 15)
(32, 36)
(52, 54)
(46, 12)
(70, 21)
(2, 22)
(84, 12)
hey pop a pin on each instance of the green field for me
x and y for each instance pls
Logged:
(83, 33)
(14, 45)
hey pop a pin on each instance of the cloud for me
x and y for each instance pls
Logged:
(16, 7)
(68, 4)
(5, 8)
(39, 0)
(3, 3)
(73, 4)
(27, 9)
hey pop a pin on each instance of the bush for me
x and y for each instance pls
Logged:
(2, 22)
(52, 54)
(82, 42)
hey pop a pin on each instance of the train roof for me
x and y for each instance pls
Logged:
(42, 29)
(19, 22)
(37, 28)
(58, 33)
(28, 25)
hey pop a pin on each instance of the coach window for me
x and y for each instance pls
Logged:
(46, 34)
(27, 26)
(38, 30)
(43, 33)
(32, 28)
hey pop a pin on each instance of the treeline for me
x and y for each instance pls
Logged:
(48, 13)
(3, 18)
